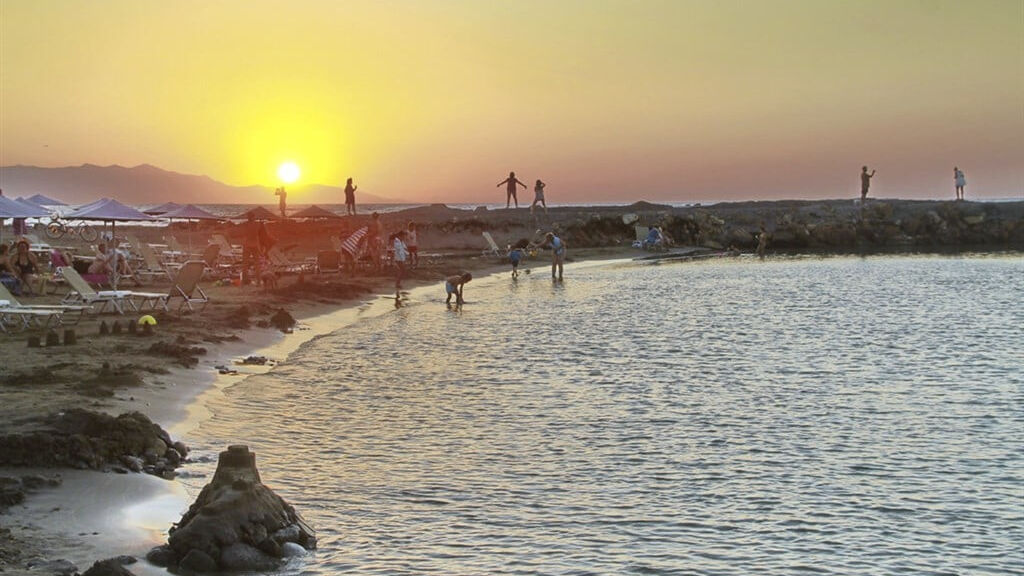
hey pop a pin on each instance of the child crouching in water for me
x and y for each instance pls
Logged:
(454, 285)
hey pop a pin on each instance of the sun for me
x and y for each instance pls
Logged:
(288, 172)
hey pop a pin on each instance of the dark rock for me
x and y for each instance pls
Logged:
(69, 337)
(162, 556)
(240, 556)
(133, 328)
(237, 521)
(34, 342)
(115, 328)
(181, 448)
(35, 481)
(104, 329)
(85, 440)
(184, 354)
(52, 338)
(110, 567)
(55, 567)
(198, 561)
(282, 320)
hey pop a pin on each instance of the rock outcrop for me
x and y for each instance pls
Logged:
(90, 440)
(236, 523)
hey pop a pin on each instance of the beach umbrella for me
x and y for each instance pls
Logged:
(315, 211)
(10, 208)
(109, 210)
(257, 213)
(162, 209)
(41, 200)
(190, 212)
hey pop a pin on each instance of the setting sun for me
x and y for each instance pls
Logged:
(288, 172)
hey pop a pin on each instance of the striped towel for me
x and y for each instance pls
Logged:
(354, 243)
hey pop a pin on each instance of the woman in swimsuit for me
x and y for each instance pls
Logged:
(25, 265)
(7, 276)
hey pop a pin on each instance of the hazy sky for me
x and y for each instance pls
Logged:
(604, 100)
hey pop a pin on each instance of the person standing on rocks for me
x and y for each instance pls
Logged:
(865, 183)
(510, 184)
(960, 181)
(283, 202)
(350, 198)
(538, 196)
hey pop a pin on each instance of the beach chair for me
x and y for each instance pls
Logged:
(82, 293)
(492, 249)
(186, 286)
(9, 302)
(13, 317)
(328, 261)
(354, 246)
(151, 265)
(282, 263)
(227, 250)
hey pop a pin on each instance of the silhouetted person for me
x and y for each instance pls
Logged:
(538, 196)
(865, 182)
(762, 242)
(350, 197)
(557, 253)
(283, 202)
(958, 178)
(510, 184)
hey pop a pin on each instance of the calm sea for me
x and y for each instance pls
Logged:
(822, 416)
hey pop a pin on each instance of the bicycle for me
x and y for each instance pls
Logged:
(58, 228)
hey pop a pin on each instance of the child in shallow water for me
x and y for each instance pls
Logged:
(454, 285)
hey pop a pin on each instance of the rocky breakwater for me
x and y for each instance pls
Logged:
(90, 440)
(236, 523)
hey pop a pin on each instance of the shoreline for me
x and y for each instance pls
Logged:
(177, 397)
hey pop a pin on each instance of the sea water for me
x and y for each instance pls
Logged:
(826, 416)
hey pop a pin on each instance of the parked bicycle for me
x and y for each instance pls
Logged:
(58, 228)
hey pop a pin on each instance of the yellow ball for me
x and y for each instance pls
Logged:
(147, 319)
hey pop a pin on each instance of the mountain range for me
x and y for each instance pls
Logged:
(147, 184)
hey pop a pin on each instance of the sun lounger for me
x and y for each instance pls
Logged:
(9, 302)
(186, 287)
(227, 250)
(20, 318)
(151, 265)
(82, 293)
(492, 249)
(282, 263)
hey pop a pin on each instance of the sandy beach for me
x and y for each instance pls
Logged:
(91, 515)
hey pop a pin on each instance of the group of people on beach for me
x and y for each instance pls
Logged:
(455, 284)
(959, 181)
(19, 267)
(511, 189)
(350, 199)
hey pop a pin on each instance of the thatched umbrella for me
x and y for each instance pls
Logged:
(162, 209)
(190, 212)
(315, 212)
(257, 213)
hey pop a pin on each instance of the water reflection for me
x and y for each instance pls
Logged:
(837, 415)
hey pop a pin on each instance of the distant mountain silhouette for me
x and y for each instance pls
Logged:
(146, 184)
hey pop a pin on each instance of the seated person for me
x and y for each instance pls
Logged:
(7, 276)
(653, 238)
(103, 261)
(25, 265)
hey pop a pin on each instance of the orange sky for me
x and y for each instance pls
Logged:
(604, 100)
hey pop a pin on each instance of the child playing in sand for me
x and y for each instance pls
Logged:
(454, 285)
